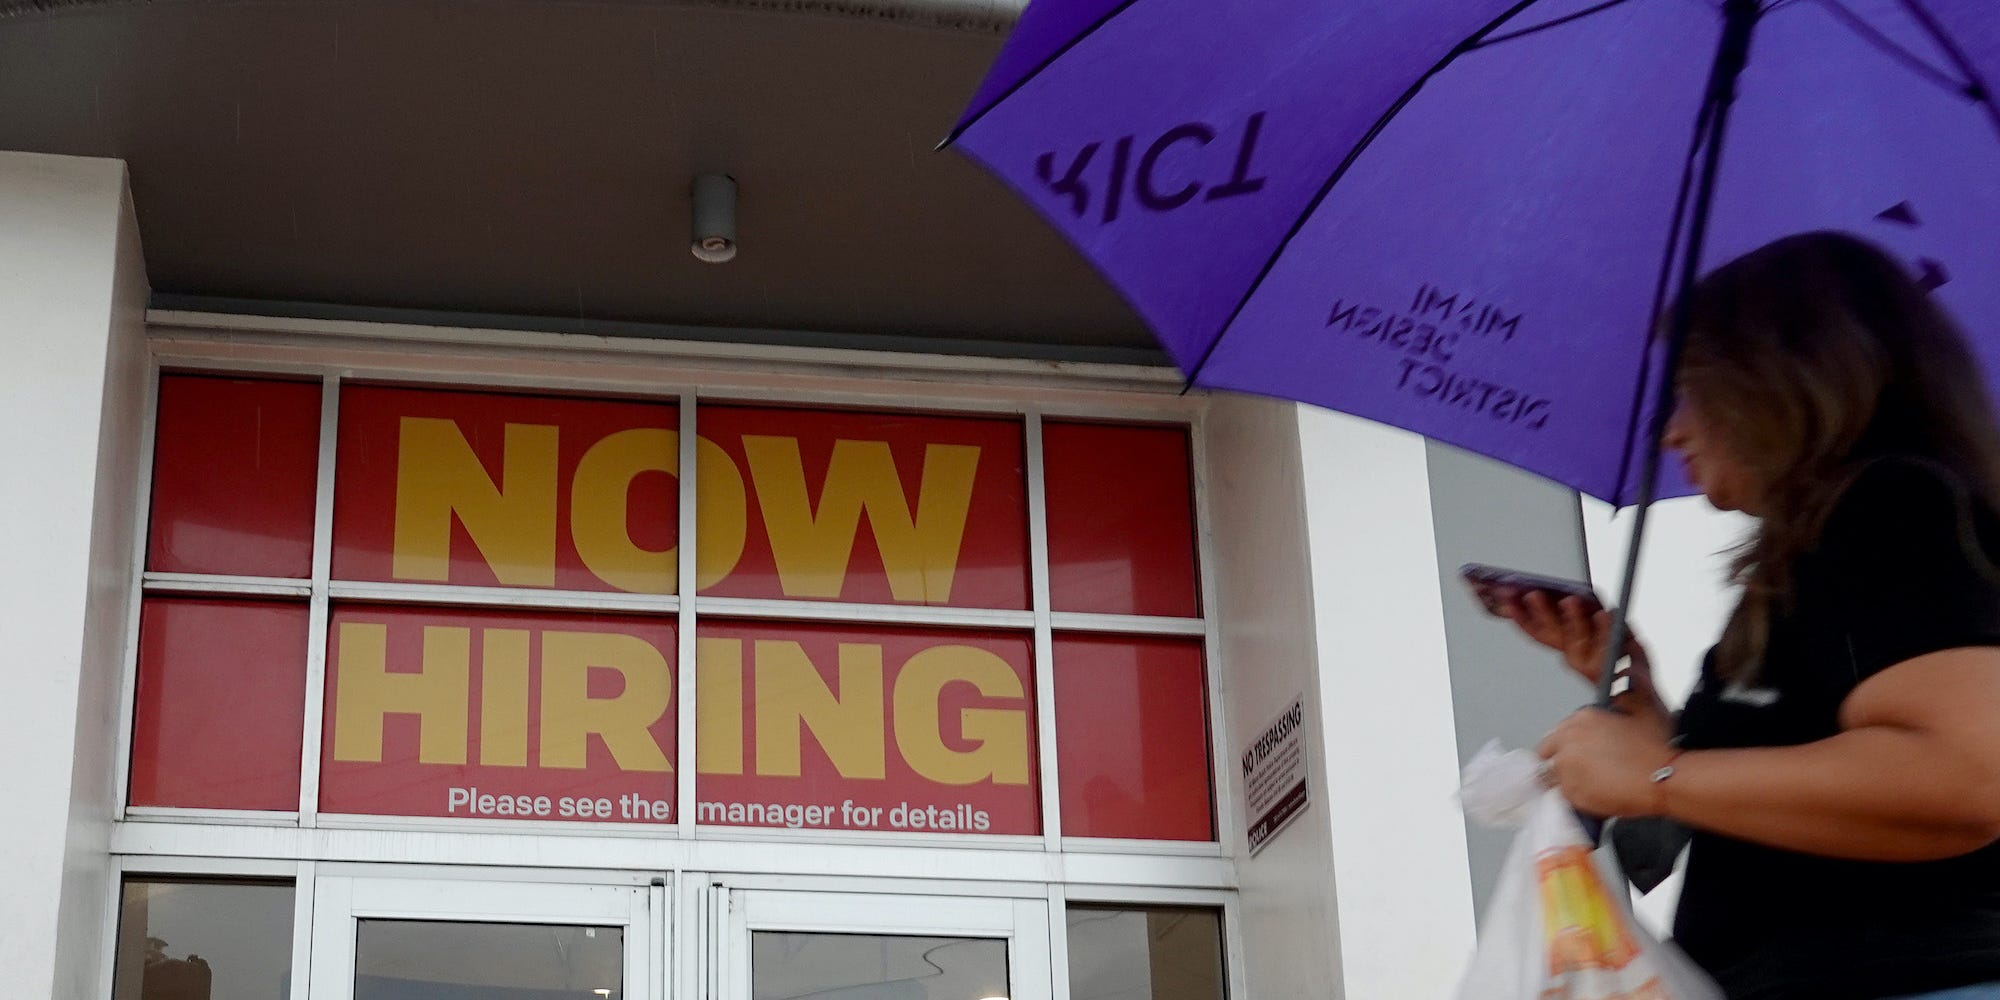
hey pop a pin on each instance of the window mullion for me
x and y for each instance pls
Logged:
(688, 541)
(319, 612)
(1044, 654)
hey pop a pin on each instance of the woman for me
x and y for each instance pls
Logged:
(1839, 761)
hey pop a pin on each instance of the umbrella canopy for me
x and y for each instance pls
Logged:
(1451, 215)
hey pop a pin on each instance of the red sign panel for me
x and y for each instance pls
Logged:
(234, 471)
(499, 715)
(437, 486)
(834, 727)
(1121, 519)
(196, 656)
(864, 507)
(1132, 738)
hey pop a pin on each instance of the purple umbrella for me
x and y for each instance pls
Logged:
(1461, 217)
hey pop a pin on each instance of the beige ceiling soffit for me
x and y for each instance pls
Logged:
(979, 16)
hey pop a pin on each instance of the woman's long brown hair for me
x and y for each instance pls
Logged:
(1815, 356)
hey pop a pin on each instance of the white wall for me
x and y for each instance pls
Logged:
(1329, 589)
(72, 298)
(1256, 496)
(1503, 686)
(1399, 845)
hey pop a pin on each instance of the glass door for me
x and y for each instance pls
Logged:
(452, 939)
(785, 945)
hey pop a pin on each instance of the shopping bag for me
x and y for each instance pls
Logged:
(1560, 923)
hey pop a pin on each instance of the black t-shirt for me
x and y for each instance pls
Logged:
(1897, 573)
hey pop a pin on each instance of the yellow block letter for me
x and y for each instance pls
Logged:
(602, 490)
(438, 476)
(791, 694)
(600, 498)
(503, 697)
(719, 704)
(570, 715)
(1001, 733)
(919, 553)
(366, 692)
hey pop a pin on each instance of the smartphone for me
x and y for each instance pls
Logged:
(1491, 584)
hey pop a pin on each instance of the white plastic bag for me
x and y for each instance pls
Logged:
(1560, 924)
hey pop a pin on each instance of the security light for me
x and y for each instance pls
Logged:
(714, 218)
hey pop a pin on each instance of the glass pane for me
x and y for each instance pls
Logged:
(489, 489)
(1121, 519)
(1132, 728)
(787, 966)
(204, 941)
(436, 960)
(499, 715)
(823, 726)
(219, 711)
(234, 467)
(868, 508)
(1149, 953)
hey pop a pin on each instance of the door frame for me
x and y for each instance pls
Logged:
(341, 899)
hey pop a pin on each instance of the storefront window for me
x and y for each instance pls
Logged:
(867, 508)
(194, 940)
(233, 477)
(499, 715)
(1131, 738)
(1145, 953)
(485, 489)
(887, 729)
(1121, 520)
(218, 716)
(496, 619)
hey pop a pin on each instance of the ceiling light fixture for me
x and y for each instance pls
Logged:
(714, 218)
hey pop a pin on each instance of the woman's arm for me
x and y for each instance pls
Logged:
(1913, 776)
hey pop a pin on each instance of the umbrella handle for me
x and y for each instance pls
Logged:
(1711, 125)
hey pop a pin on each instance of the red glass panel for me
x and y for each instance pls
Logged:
(499, 715)
(234, 469)
(442, 486)
(864, 507)
(1121, 519)
(834, 727)
(1132, 738)
(219, 714)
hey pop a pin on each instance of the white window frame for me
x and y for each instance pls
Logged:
(1048, 866)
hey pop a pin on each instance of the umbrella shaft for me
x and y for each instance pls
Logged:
(1711, 125)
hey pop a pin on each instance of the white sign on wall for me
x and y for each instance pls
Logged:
(1274, 776)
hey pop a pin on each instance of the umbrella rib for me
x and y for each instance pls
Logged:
(1014, 87)
(1916, 63)
(1346, 163)
(1660, 291)
(1976, 88)
(1545, 25)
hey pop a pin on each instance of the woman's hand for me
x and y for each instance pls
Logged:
(1579, 632)
(1603, 761)
(1572, 627)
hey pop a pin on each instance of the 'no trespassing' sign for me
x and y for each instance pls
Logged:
(1274, 776)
